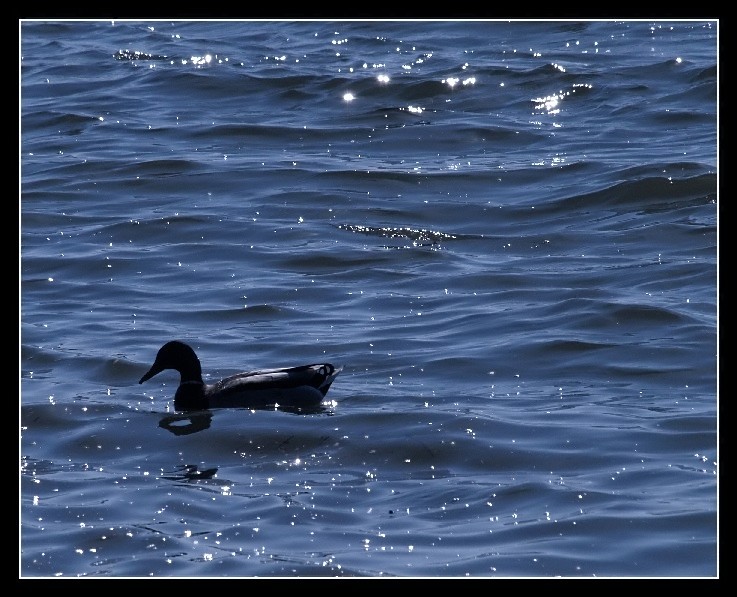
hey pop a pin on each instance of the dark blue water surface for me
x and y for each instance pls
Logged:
(506, 232)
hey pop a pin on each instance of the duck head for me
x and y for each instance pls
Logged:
(178, 356)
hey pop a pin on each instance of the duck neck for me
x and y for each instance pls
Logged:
(190, 395)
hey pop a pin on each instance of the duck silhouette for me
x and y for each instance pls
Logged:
(302, 386)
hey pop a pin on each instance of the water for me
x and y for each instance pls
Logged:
(506, 232)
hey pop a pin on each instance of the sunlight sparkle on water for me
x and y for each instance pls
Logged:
(199, 60)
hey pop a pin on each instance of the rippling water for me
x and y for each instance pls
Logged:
(506, 232)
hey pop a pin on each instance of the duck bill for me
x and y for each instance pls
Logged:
(151, 372)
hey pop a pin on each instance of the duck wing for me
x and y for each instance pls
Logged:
(307, 384)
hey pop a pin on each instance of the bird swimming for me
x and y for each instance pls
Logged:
(305, 385)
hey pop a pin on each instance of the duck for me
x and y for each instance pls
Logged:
(294, 387)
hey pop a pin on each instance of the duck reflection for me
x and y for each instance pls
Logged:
(187, 422)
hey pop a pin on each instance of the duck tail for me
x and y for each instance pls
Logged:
(330, 373)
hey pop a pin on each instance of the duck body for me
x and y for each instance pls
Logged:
(305, 385)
